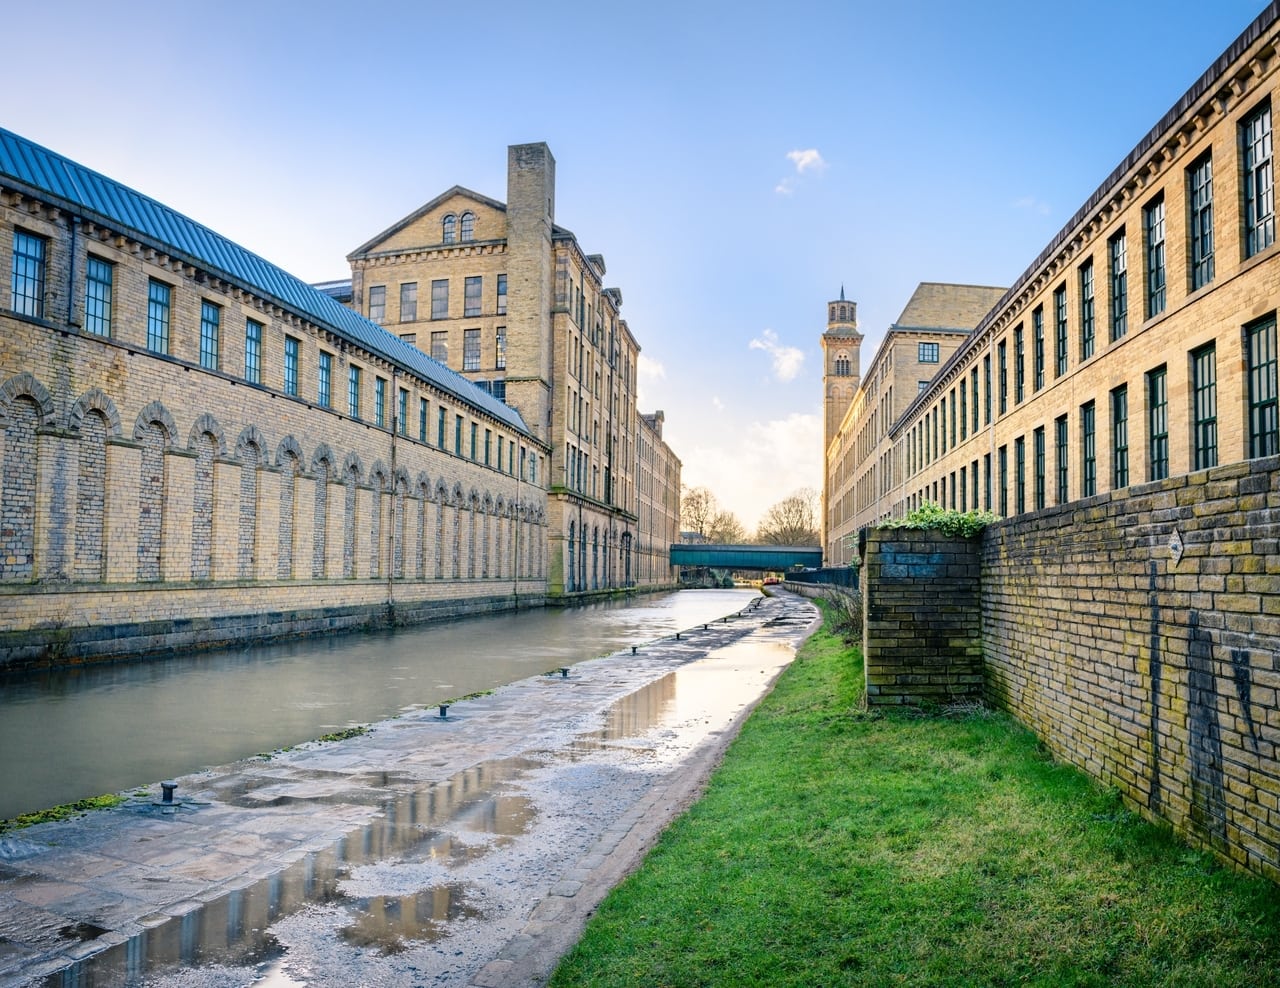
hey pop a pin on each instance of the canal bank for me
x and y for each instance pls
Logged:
(458, 850)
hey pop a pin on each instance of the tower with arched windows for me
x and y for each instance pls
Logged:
(841, 365)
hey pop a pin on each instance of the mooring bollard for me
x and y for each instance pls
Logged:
(564, 672)
(444, 711)
(677, 636)
(168, 789)
(633, 649)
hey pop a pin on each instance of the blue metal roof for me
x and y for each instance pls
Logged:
(86, 192)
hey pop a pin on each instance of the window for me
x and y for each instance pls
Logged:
(253, 351)
(1120, 437)
(1204, 406)
(1086, 315)
(1260, 352)
(502, 295)
(1060, 456)
(210, 318)
(290, 366)
(973, 388)
(449, 229)
(323, 385)
(28, 273)
(468, 227)
(378, 303)
(158, 298)
(457, 434)
(986, 389)
(380, 402)
(1020, 474)
(472, 288)
(440, 346)
(964, 412)
(1259, 182)
(1117, 253)
(471, 350)
(500, 349)
(1153, 230)
(440, 421)
(1038, 440)
(353, 392)
(1002, 454)
(1019, 367)
(1002, 353)
(402, 413)
(500, 390)
(986, 483)
(409, 301)
(1157, 425)
(488, 443)
(1088, 450)
(440, 298)
(1200, 181)
(98, 279)
(927, 353)
(921, 386)
(1037, 349)
(422, 420)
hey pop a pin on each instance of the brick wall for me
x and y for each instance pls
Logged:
(921, 619)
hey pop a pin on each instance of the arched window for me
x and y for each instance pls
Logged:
(842, 364)
(450, 229)
(468, 227)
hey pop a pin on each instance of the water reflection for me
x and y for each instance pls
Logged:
(81, 732)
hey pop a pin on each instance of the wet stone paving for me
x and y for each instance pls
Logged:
(466, 849)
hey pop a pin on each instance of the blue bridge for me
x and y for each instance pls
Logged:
(776, 558)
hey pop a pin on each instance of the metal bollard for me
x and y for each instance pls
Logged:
(444, 711)
(168, 789)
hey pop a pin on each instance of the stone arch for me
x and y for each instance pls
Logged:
(379, 480)
(289, 446)
(206, 424)
(423, 487)
(442, 499)
(251, 435)
(379, 476)
(352, 472)
(322, 463)
(322, 467)
(95, 400)
(352, 462)
(93, 426)
(251, 451)
(399, 494)
(25, 385)
(458, 500)
(156, 414)
(289, 460)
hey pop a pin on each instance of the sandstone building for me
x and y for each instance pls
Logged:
(196, 447)
(1139, 345)
(501, 294)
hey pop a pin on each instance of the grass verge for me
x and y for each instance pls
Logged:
(837, 847)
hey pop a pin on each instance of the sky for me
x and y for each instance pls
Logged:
(738, 164)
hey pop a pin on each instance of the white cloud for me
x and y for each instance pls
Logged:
(717, 404)
(787, 360)
(786, 187)
(806, 160)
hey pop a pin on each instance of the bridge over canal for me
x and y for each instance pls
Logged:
(767, 558)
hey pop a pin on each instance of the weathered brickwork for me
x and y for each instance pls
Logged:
(1138, 633)
(922, 624)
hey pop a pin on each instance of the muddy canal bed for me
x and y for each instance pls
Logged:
(461, 850)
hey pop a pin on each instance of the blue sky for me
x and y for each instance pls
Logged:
(735, 163)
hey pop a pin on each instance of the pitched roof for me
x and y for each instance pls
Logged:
(421, 211)
(935, 305)
(87, 193)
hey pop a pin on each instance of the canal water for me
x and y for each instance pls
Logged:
(83, 732)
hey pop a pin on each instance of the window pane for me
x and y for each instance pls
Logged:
(28, 274)
(158, 295)
(210, 318)
(97, 297)
(253, 351)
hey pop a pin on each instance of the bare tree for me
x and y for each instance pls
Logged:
(792, 521)
(698, 508)
(726, 529)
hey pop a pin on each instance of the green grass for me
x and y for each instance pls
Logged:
(65, 811)
(836, 847)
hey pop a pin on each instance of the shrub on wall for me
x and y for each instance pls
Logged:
(948, 521)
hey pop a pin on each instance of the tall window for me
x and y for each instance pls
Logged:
(1086, 312)
(964, 411)
(441, 417)
(158, 298)
(378, 303)
(1200, 182)
(1118, 260)
(1037, 349)
(488, 444)
(1020, 474)
(500, 348)
(927, 353)
(1088, 450)
(290, 366)
(253, 351)
(98, 279)
(468, 226)
(210, 319)
(380, 402)
(402, 413)
(449, 229)
(457, 434)
(1157, 424)
(1002, 454)
(28, 273)
(1120, 437)
(1060, 331)
(1019, 366)
(1038, 438)
(324, 382)
(1153, 232)
(1259, 182)
(502, 295)
(986, 389)
(353, 392)
(422, 420)
(986, 483)
(1060, 456)
(471, 350)
(1002, 353)
(440, 346)
(973, 388)
(409, 301)
(440, 298)
(472, 288)
(1260, 352)
(1204, 406)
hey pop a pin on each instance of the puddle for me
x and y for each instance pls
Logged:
(234, 929)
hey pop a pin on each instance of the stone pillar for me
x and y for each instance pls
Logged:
(175, 540)
(55, 504)
(124, 466)
(266, 544)
(304, 525)
(226, 519)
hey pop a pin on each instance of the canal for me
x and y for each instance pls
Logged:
(75, 733)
